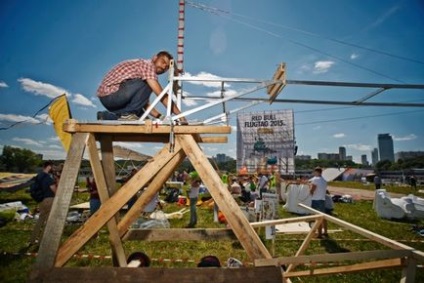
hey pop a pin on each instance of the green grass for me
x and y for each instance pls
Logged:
(14, 265)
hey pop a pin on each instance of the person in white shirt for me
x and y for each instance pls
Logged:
(318, 188)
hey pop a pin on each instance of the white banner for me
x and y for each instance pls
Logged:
(265, 142)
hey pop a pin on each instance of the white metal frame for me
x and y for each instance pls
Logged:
(274, 86)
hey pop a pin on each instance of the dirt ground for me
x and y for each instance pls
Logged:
(357, 194)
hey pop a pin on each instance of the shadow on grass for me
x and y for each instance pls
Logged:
(331, 246)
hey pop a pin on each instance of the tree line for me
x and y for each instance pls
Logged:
(22, 160)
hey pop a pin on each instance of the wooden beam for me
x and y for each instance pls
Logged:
(306, 241)
(366, 233)
(175, 234)
(280, 78)
(284, 221)
(336, 257)
(99, 177)
(382, 264)
(72, 126)
(409, 271)
(57, 218)
(161, 138)
(155, 185)
(237, 221)
(157, 275)
(112, 206)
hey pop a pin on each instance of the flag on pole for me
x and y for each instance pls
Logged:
(59, 112)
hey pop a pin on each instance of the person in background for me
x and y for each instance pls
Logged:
(193, 195)
(329, 207)
(377, 182)
(262, 184)
(49, 187)
(94, 195)
(318, 188)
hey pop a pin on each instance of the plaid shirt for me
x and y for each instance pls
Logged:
(130, 69)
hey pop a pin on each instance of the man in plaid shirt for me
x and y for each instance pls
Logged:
(126, 88)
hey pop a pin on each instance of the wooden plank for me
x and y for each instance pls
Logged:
(161, 138)
(72, 126)
(306, 241)
(112, 206)
(284, 221)
(157, 275)
(237, 221)
(336, 257)
(366, 233)
(115, 240)
(175, 234)
(108, 164)
(409, 271)
(381, 264)
(56, 222)
(155, 185)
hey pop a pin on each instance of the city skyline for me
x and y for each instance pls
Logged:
(55, 47)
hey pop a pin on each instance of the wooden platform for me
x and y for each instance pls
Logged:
(178, 142)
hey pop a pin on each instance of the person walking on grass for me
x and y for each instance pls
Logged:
(193, 195)
(48, 187)
(318, 188)
(126, 88)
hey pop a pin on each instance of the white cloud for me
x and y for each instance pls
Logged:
(3, 84)
(353, 56)
(206, 76)
(82, 100)
(322, 66)
(360, 147)
(339, 135)
(45, 118)
(28, 141)
(409, 137)
(55, 146)
(217, 93)
(52, 91)
(18, 118)
(40, 88)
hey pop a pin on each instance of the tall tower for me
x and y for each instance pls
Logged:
(342, 153)
(374, 156)
(385, 147)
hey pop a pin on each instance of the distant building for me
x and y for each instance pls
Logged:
(385, 147)
(329, 156)
(222, 157)
(408, 154)
(303, 157)
(374, 156)
(342, 153)
(364, 160)
(349, 157)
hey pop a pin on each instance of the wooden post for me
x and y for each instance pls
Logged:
(57, 218)
(154, 187)
(99, 177)
(408, 272)
(237, 221)
(112, 206)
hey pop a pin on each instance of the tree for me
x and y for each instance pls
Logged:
(16, 159)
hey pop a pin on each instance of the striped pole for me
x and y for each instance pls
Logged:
(180, 42)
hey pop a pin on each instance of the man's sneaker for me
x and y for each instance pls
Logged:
(128, 117)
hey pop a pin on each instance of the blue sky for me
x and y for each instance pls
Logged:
(51, 47)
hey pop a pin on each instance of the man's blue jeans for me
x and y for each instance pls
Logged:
(193, 212)
(131, 97)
